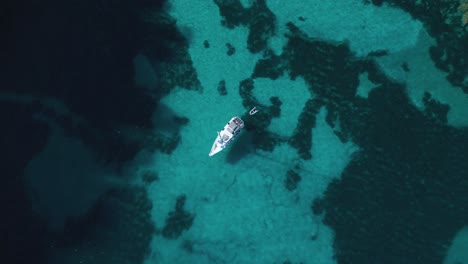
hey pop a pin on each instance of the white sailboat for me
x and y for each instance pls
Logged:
(228, 133)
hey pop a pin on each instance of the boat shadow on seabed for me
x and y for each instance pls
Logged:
(241, 148)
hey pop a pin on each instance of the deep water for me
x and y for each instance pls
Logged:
(68, 65)
(93, 141)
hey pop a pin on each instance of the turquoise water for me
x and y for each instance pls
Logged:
(357, 154)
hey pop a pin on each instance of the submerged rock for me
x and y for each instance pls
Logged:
(177, 220)
(292, 179)
(230, 49)
(222, 88)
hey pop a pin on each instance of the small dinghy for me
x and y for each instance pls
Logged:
(228, 133)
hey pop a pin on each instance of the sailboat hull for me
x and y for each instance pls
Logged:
(217, 147)
(226, 135)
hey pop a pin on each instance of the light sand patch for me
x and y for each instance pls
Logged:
(424, 76)
(292, 94)
(458, 251)
(212, 64)
(366, 27)
(365, 85)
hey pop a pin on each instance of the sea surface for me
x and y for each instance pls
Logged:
(358, 152)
